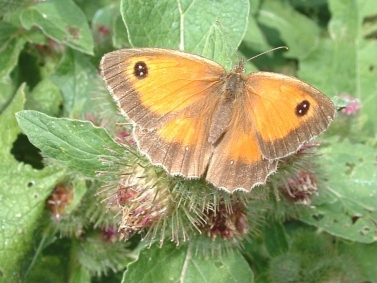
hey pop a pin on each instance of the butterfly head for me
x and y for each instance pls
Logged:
(239, 68)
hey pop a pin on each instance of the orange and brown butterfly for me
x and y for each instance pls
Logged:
(196, 119)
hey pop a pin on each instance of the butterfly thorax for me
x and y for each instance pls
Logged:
(233, 87)
(235, 82)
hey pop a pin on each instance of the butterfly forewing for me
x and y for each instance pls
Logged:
(285, 112)
(169, 98)
(150, 86)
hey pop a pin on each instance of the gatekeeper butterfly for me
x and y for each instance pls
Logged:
(196, 119)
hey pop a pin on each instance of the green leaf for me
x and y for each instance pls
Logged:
(120, 38)
(346, 62)
(347, 208)
(90, 7)
(275, 239)
(76, 144)
(10, 132)
(75, 76)
(6, 92)
(172, 264)
(254, 37)
(45, 97)
(366, 88)
(80, 275)
(297, 31)
(193, 26)
(313, 257)
(11, 44)
(102, 25)
(366, 258)
(336, 56)
(335, 64)
(99, 256)
(367, 8)
(23, 191)
(63, 21)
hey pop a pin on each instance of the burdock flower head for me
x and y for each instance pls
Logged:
(143, 199)
(300, 187)
(60, 198)
(297, 180)
(226, 222)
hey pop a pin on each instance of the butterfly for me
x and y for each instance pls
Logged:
(195, 119)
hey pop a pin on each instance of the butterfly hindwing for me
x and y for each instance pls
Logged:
(237, 162)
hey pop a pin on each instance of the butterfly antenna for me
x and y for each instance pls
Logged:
(273, 49)
(228, 37)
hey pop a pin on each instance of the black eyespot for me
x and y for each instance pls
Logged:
(140, 70)
(302, 108)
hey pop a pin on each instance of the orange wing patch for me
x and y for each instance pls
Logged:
(171, 85)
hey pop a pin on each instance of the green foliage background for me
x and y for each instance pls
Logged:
(49, 56)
